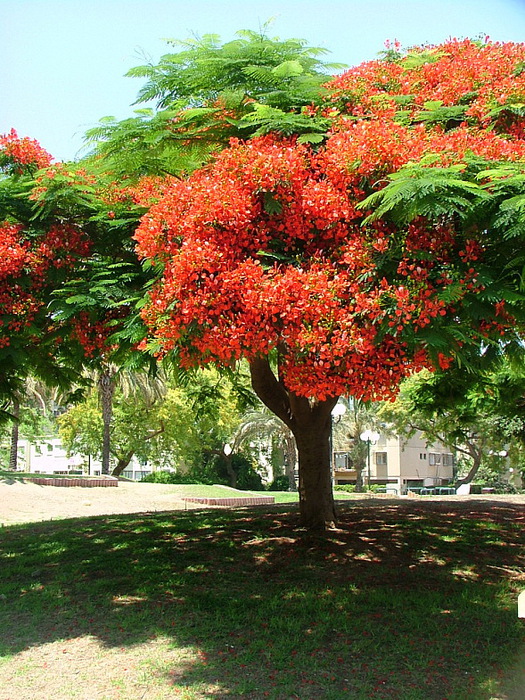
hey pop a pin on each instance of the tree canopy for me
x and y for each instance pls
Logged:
(273, 251)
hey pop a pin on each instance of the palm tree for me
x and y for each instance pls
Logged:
(151, 388)
(260, 424)
(359, 416)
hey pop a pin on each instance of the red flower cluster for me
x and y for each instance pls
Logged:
(13, 250)
(27, 271)
(20, 152)
(92, 335)
(267, 247)
(480, 76)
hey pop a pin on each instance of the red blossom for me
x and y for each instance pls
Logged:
(22, 152)
(266, 248)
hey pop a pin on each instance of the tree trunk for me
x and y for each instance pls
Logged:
(230, 470)
(106, 386)
(291, 461)
(477, 456)
(359, 486)
(13, 451)
(310, 422)
(122, 463)
(316, 499)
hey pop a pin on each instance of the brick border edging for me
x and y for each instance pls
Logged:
(55, 481)
(247, 501)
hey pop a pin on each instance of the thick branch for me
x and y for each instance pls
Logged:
(156, 432)
(271, 392)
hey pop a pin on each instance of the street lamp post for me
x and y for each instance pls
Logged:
(338, 412)
(227, 452)
(369, 436)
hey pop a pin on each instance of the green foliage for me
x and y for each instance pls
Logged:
(280, 483)
(248, 478)
(348, 488)
(208, 92)
(420, 57)
(175, 428)
(169, 477)
(449, 116)
(477, 414)
(212, 469)
(279, 73)
(422, 190)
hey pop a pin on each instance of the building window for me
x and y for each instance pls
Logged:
(341, 460)
(422, 455)
(434, 458)
(448, 460)
(381, 458)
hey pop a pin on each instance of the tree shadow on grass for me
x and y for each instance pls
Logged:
(405, 600)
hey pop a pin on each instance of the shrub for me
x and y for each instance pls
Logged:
(247, 478)
(501, 486)
(166, 477)
(349, 488)
(280, 483)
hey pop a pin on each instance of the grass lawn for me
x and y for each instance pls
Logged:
(406, 600)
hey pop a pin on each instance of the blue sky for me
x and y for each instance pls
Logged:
(63, 61)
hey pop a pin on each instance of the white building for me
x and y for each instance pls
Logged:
(48, 456)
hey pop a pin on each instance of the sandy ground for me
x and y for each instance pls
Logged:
(23, 502)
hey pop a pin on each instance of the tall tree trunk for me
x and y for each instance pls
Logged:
(291, 461)
(232, 476)
(106, 384)
(316, 499)
(310, 422)
(359, 486)
(13, 451)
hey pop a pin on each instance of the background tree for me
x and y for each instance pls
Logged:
(161, 423)
(33, 408)
(269, 435)
(37, 256)
(358, 417)
(97, 307)
(475, 414)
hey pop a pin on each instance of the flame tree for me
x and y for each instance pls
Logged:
(35, 259)
(271, 253)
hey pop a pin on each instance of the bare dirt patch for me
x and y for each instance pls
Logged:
(25, 502)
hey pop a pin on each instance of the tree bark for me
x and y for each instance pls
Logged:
(15, 429)
(122, 463)
(477, 456)
(359, 486)
(106, 386)
(310, 422)
(316, 499)
(291, 461)
(230, 470)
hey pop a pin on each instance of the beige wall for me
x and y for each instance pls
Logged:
(407, 460)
